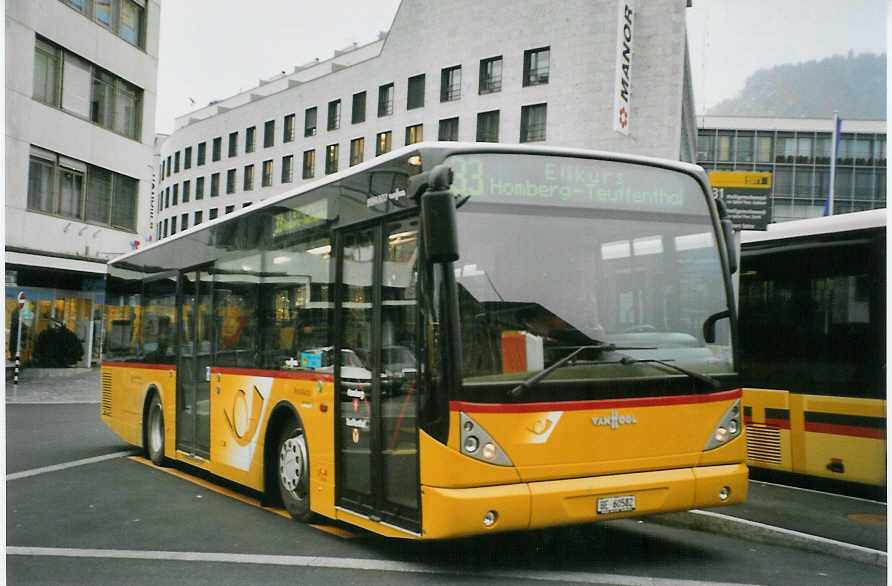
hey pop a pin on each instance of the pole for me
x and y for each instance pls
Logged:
(833, 155)
(18, 351)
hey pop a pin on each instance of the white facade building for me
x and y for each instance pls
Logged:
(81, 79)
(525, 71)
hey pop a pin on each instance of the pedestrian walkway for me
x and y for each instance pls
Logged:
(55, 385)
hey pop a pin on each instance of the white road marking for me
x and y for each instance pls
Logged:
(345, 564)
(66, 465)
(799, 488)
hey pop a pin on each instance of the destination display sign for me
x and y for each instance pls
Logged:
(747, 197)
(574, 182)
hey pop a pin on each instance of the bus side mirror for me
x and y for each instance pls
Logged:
(709, 325)
(728, 233)
(438, 217)
(440, 232)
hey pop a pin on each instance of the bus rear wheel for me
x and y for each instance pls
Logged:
(293, 471)
(155, 432)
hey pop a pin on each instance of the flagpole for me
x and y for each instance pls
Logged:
(837, 125)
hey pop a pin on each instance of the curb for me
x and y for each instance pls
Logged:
(759, 532)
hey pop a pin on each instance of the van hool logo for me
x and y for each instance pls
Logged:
(613, 420)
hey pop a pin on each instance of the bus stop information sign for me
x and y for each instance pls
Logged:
(746, 195)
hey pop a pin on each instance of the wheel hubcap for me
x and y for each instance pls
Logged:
(292, 465)
(155, 430)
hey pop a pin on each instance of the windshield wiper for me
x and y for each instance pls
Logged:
(517, 391)
(703, 378)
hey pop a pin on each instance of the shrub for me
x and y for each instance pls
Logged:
(57, 347)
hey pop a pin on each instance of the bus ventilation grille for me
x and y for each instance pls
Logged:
(763, 443)
(106, 393)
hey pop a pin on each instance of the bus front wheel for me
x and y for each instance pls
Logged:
(293, 473)
(155, 432)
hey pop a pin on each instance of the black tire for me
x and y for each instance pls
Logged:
(292, 472)
(154, 430)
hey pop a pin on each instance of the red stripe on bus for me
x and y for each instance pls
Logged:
(275, 373)
(593, 404)
(850, 430)
(140, 365)
(778, 423)
(747, 420)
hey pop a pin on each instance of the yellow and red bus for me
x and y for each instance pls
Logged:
(447, 340)
(813, 347)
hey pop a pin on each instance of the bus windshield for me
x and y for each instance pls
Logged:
(559, 253)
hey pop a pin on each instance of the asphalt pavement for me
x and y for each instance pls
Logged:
(841, 526)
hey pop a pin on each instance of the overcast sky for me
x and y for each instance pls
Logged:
(212, 49)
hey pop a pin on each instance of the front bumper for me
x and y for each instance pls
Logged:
(454, 512)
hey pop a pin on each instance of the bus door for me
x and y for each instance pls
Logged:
(193, 364)
(375, 375)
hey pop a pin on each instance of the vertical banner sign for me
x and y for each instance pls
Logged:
(623, 86)
(747, 197)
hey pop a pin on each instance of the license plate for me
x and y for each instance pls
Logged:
(616, 504)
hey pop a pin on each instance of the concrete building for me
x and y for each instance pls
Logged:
(797, 152)
(81, 80)
(600, 74)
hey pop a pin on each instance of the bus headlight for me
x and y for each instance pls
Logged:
(478, 444)
(727, 428)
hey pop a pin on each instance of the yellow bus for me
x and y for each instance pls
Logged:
(447, 340)
(813, 347)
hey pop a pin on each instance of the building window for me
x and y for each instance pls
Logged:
(288, 128)
(197, 218)
(176, 193)
(745, 146)
(176, 162)
(202, 153)
(250, 133)
(287, 169)
(414, 134)
(763, 149)
(385, 100)
(358, 116)
(230, 181)
(215, 184)
(124, 18)
(169, 164)
(310, 122)
(532, 123)
(490, 75)
(267, 179)
(187, 186)
(331, 159)
(357, 147)
(448, 129)
(248, 179)
(705, 147)
(415, 97)
(173, 225)
(233, 144)
(184, 221)
(217, 147)
(269, 133)
(488, 126)
(450, 84)
(199, 188)
(309, 168)
(723, 148)
(382, 143)
(64, 80)
(212, 214)
(164, 232)
(229, 209)
(334, 115)
(187, 158)
(535, 66)
(70, 188)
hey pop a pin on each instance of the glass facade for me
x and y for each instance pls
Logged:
(799, 162)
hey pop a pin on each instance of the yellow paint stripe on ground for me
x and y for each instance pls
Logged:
(336, 531)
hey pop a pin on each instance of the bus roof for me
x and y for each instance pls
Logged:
(814, 226)
(429, 151)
